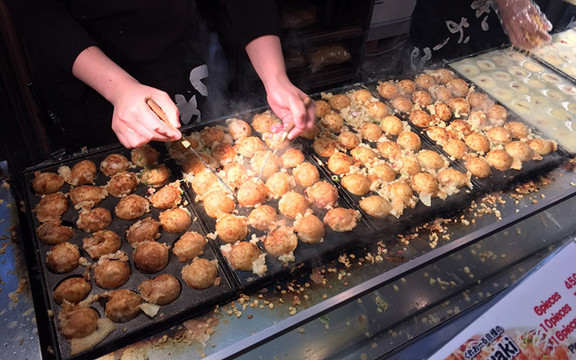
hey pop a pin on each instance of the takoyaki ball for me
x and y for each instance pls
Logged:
(479, 101)
(363, 155)
(311, 134)
(378, 109)
(442, 76)
(169, 196)
(478, 167)
(224, 153)
(200, 274)
(517, 129)
(111, 272)
(122, 305)
(101, 243)
(408, 165)
(292, 203)
(402, 104)
(323, 195)
(388, 90)
(262, 217)
(440, 93)
(292, 158)
(339, 101)
(422, 98)
(94, 220)
(376, 206)
(424, 81)
(400, 192)
(421, 118)
(276, 141)
(452, 178)
(113, 164)
(231, 228)
(499, 159)
(242, 255)
(147, 229)
(132, 207)
(460, 106)
(265, 163)
(63, 258)
(309, 229)
(341, 219)
(77, 321)
(332, 122)
(212, 135)
(252, 193)
(175, 220)
(520, 150)
(497, 115)
(442, 111)
(459, 128)
(542, 146)
(356, 183)
(409, 140)
(82, 173)
(478, 119)
(73, 290)
(161, 290)
(51, 207)
(455, 148)
(340, 163)
(203, 182)
(324, 146)
(406, 87)
(370, 131)
(279, 184)
(389, 149)
(177, 150)
(189, 245)
(235, 175)
(305, 174)
(424, 183)
(437, 134)
(431, 159)
(263, 122)
(322, 108)
(458, 87)
(281, 241)
(123, 183)
(192, 164)
(391, 125)
(151, 256)
(155, 176)
(46, 182)
(144, 155)
(54, 232)
(87, 196)
(238, 128)
(478, 142)
(499, 135)
(361, 96)
(383, 172)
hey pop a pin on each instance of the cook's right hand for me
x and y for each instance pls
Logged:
(133, 121)
(526, 26)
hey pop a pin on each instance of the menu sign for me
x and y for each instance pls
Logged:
(534, 320)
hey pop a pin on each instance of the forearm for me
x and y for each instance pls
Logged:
(265, 54)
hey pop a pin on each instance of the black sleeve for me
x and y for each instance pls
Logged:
(253, 18)
(50, 26)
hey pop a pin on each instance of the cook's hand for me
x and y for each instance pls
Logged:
(293, 106)
(135, 123)
(527, 27)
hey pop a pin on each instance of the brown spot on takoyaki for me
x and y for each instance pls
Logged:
(238, 128)
(161, 290)
(375, 206)
(94, 220)
(306, 174)
(63, 258)
(122, 305)
(341, 219)
(54, 232)
(252, 193)
(262, 217)
(147, 229)
(82, 173)
(324, 146)
(73, 290)
(46, 182)
(339, 101)
(101, 243)
(132, 207)
(175, 220)
(458, 129)
(122, 184)
(281, 241)
(200, 274)
(442, 111)
(231, 228)
(309, 229)
(422, 98)
(356, 183)
(167, 197)
(421, 118)
(151, 256)
(113, 164)
(499, 159)
(424, 81)
(391, 125)
(155, 176)
(322, 195)
(406, 87)
(224, 153)
(437, 134)
(51, 207)
(189, 245)
(292, 203)
(144, 155)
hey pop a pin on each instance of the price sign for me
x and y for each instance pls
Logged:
(536, 319)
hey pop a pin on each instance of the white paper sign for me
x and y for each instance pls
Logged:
(535, 320)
